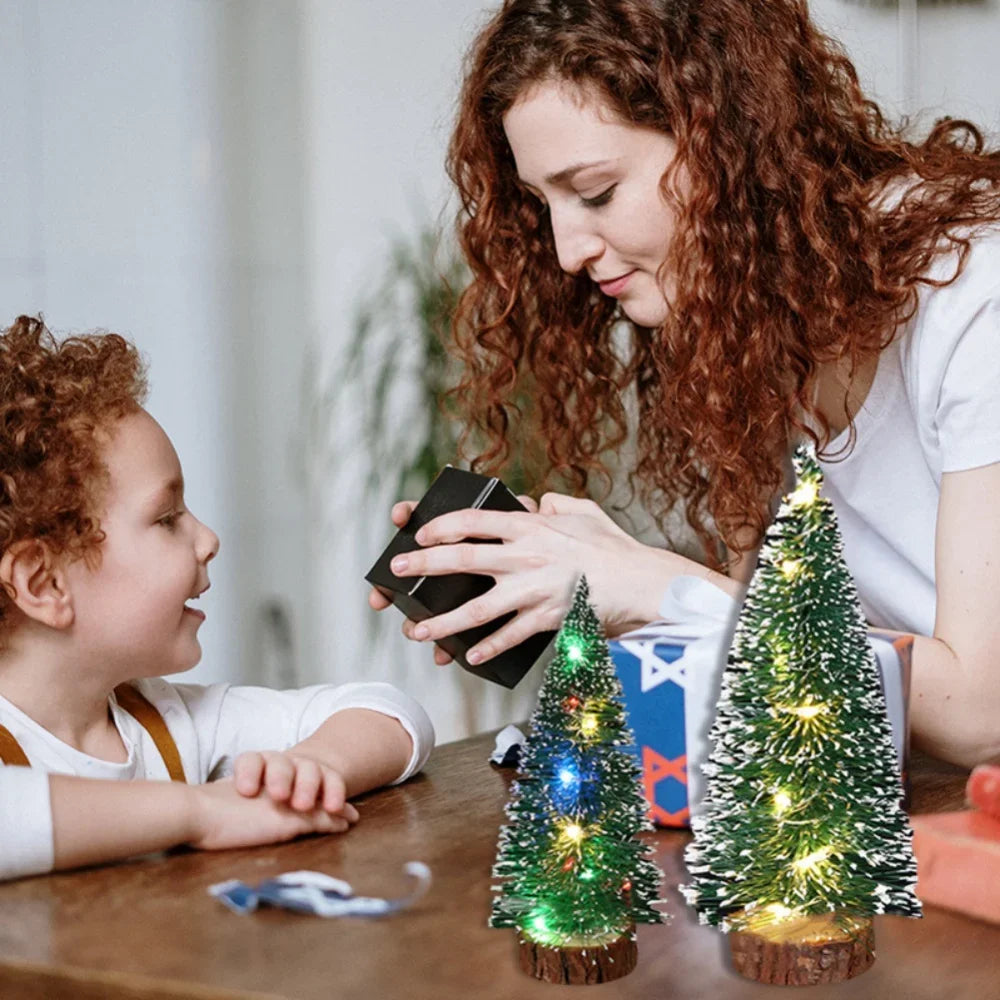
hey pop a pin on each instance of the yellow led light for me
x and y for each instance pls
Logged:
(791, 568)
(589, 724)
(574, 832)
(778, 910)
(804, 494)
(806, 711)
(782, 800)
(810, 861)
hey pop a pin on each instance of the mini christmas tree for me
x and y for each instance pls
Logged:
(802, 836)
(574, 877)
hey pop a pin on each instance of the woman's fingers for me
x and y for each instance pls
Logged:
(529, 502)
(479, 611)
(560, 503)
(441, 657)
(378, 600)
(516, 631)
(401, 512)
(457, 525)
(462, 557)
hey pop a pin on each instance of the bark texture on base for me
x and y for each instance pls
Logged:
(804, 951)
(580, 966)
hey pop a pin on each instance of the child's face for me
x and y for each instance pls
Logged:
(130, 611)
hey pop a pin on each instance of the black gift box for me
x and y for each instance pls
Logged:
(425, 597)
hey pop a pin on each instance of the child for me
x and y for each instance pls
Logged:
(100, 561)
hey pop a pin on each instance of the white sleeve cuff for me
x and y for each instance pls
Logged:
(26, 836)
(695, 600)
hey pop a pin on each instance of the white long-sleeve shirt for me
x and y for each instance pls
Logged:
(211, 726)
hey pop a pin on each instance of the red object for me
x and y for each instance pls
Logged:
(983, 789)
(958, 862)
(568, 863)
(571, 703)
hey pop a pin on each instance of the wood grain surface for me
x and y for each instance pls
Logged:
(148, 930)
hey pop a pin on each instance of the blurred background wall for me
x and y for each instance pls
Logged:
(221, 180)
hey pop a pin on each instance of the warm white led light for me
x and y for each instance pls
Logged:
(804, 494)
(806, 711)
(812, 860)
(791, 568)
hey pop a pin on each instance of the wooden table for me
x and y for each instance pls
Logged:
(147, 929)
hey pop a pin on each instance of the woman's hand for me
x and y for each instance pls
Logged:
(536, 569)
(380, 600)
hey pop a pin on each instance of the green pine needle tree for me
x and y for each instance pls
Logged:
(802, 812)
(572, 870)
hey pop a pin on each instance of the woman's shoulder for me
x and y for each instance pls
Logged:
(950, 353)
(972, 259)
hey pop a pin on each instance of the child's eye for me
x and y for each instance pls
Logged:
(600, 199)
(170, 520)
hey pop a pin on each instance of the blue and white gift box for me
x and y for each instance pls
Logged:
(671, 673)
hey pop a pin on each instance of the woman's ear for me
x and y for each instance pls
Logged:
(36, 583)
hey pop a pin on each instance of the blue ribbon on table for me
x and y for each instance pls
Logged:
(318, 894)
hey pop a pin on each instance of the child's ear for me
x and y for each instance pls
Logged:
(36, 583)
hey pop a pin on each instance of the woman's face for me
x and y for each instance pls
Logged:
(599, 177)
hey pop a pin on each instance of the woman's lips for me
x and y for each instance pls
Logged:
(616, 285)
(197, 612)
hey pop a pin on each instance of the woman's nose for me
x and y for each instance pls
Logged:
(577, 244)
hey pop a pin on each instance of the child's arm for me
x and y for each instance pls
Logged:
(95, 821)
(320, 744)
(355, 750)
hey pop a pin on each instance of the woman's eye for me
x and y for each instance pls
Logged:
(599, 199)
(170, 520)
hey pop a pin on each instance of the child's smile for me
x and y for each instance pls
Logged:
(130, 606)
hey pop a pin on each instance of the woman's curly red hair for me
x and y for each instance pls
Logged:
(781, 260)
(54, 399)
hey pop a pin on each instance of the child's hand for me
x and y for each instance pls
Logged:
(296, 780)
(223, 818)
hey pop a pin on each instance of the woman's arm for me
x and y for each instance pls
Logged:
(955, 692)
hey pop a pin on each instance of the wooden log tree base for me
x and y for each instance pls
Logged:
(580, 965)
(804, 951)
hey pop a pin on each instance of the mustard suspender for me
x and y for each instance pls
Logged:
(141, 709)
(10, 749)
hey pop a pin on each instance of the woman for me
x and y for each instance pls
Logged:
(787, 265)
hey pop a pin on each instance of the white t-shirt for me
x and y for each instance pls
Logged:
(934, 407)
(210, 725)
